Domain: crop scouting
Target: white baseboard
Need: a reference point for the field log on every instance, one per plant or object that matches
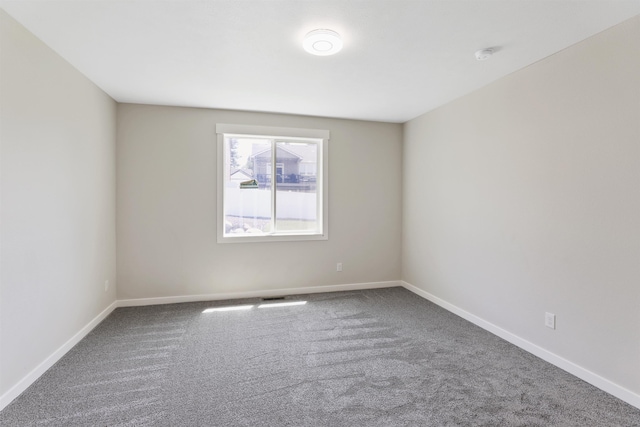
(32, 376)
(137, 302)
(562, 363)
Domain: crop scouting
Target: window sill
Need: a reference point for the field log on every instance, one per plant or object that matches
(265, 238)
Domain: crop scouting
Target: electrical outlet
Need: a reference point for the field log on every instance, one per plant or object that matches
(106, 285)
(550, 320)
(339, 266)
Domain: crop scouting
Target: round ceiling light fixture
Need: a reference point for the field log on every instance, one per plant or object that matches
(322, 42)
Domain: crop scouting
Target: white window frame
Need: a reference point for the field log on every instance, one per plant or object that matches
(223, 130)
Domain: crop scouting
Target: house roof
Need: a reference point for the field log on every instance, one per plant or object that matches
(245, 172)
(305, 152)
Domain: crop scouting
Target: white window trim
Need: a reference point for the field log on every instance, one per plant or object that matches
(271, 132)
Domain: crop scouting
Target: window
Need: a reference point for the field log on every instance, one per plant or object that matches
(272, 184)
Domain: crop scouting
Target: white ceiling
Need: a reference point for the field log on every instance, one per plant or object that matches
(401, 58)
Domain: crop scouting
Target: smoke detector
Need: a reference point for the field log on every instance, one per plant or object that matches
(484, 54)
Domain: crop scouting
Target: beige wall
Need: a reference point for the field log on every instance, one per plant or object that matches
(166, 209)
(524, 197)
(57, 233)
(520, 198)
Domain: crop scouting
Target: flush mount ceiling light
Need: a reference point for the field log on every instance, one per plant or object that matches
(483, 54)
(322, 42)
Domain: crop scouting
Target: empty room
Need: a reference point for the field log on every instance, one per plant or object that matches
(320, 213)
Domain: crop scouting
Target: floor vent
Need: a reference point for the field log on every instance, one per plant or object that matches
(273, 299)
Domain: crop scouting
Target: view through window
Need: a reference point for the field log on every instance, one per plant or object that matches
(272, 186)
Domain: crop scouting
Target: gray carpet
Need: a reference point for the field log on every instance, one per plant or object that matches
(381, 357)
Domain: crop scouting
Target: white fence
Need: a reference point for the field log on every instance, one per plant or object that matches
(256, 203)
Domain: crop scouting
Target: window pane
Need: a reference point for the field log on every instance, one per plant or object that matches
(270, 185)
(296, 186)
(247, 210)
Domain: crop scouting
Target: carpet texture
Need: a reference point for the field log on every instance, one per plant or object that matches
(383, 357)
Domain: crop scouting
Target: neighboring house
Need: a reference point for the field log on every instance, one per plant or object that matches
(241, 175)
(296, 166)
(237, 176)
